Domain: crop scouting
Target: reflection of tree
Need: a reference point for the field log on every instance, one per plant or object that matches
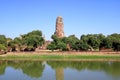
(35, 68)
(31, 68)
(112, 68)
(2, 67)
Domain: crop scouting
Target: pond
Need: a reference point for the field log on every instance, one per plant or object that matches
(59, 70)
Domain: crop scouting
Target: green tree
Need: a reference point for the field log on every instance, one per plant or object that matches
(3, 40)
(83, 46)
(52, 46)
(106, 43)
(92, 40)
(84, 38)
(55, 38)
(35, 32)
(72, 41)
(2, 47)
(3, 44)
(58, 43)
(32, 40)
(18, 41)
(62, 46)
(64, 40)
(115, 40)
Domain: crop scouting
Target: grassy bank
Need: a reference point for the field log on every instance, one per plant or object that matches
(60, 56)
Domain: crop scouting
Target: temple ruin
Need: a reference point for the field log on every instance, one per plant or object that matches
(59, 32)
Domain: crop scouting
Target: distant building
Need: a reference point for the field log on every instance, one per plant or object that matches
(43, 47)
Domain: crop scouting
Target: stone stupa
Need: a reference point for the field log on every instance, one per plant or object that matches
(59, 32)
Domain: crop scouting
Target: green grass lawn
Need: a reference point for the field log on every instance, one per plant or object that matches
(58, 57)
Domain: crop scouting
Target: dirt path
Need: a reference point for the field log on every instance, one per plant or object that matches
(62, 53)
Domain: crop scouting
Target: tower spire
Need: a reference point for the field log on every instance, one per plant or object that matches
(59, 32)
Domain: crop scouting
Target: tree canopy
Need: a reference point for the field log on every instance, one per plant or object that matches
(89, 42)
(25, 42)
(34, 39)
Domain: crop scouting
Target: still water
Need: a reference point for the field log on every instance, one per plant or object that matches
(59, 70)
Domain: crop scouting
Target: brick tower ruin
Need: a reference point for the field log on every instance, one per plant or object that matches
(59, 27)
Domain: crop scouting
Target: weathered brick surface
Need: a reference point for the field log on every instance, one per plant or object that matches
(59, 32)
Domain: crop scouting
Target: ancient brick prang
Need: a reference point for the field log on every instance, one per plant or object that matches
(59, 32)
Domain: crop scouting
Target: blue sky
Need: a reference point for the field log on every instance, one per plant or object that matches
(80, 16)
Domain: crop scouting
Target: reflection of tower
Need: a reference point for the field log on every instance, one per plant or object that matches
(59, 73)
(59, 27)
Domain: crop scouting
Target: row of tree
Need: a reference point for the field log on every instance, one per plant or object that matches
(90, 42)
(26, 42)
(34, 39)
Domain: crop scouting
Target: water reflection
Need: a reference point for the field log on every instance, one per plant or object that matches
(59, 70)
(59, 73)
(112, 68)
(30, 68)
